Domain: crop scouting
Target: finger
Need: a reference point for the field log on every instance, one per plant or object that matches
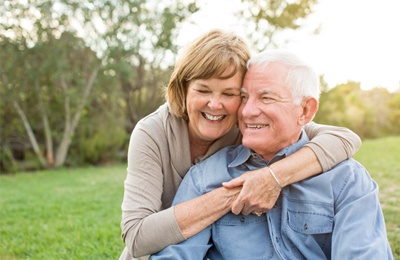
(247, 210)
(233, 183)
(237, 206)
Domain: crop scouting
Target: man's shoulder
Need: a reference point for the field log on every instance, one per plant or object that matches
(350, 166)
(347, 173)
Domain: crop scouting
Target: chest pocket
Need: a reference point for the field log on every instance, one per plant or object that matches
(243, 237)
(310, 217)
(309, 224)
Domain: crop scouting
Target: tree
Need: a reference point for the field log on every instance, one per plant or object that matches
(394, 114)
(370, 113)
(141, 50)
(377, 102)
(343, 106)
(266, 20)
(43, 85)
(56, 51)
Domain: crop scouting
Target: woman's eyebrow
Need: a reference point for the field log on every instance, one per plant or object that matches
(202, 84)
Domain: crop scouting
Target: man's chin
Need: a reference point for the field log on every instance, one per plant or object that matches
(251, 142)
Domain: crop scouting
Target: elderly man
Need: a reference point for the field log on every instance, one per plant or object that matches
(335, 215)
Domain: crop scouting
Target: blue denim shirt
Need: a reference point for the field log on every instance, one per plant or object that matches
(335, 215)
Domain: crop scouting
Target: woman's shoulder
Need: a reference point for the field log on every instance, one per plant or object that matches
(163, 114)
(161, 122)
(155, 116)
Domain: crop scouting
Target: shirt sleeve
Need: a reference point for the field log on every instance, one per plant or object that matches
(195, 247)
(359, 226)
(143, 219)
(331, 144)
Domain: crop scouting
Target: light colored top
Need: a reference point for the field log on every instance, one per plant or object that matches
(323, 217)
(159, 158)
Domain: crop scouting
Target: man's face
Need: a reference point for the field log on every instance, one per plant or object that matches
(268, 119)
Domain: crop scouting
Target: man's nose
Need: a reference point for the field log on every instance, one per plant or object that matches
(250, 108)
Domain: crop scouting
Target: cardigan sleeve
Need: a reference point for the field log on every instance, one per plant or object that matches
(331, 144)
(146, 226)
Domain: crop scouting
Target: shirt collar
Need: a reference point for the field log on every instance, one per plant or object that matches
(244, 153)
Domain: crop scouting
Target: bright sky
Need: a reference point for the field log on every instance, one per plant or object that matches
(359, 40)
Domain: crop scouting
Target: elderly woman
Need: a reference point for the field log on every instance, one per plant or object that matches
(200, 118)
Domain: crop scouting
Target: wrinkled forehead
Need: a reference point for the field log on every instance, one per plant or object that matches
(269, 77)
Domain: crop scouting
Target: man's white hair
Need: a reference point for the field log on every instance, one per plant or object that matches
(301, 80)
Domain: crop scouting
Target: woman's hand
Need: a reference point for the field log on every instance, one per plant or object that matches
(259, 193)
(195, 215)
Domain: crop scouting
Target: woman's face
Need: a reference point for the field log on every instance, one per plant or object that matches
(212, 106)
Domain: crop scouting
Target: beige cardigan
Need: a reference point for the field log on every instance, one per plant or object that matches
(159, 158)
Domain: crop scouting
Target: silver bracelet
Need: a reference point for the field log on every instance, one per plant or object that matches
(276, 179)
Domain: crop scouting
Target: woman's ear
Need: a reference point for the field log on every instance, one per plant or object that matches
(309, 109)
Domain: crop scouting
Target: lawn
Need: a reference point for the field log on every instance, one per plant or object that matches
(381, 157)
(75, 213)
(62, 214)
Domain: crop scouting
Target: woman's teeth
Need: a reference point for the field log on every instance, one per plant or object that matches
(212, 118)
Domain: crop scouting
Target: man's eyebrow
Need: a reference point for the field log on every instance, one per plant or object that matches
(243, 90)
(265, 91)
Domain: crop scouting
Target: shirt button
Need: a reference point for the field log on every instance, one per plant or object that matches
(305, 226)
(242, 219)
(277, 239)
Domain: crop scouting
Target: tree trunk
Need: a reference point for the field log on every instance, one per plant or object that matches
(70, 125)
(31, 135)
(47, 129)
(49, 141)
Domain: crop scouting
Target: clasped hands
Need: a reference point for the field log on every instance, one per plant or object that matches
(258, 194)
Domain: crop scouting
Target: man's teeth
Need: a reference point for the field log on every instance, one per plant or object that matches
(213, 118)
(256, 126)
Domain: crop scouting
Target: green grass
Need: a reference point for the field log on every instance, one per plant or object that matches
(75, 213)
(62, 214)
(381, 157)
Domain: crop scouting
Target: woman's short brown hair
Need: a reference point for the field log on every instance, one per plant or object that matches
(207, 57)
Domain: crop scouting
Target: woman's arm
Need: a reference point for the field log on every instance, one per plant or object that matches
(147, 224)
(195, 215)
(142, 216)
(329, 145)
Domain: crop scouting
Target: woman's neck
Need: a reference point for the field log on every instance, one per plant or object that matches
(198, 147)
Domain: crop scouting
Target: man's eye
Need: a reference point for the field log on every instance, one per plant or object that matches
(268, 99)
(243, 98)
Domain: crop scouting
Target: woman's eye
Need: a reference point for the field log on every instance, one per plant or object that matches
(203, 91)
(229, 94)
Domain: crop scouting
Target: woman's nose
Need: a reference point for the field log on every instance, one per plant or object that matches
(215, 102)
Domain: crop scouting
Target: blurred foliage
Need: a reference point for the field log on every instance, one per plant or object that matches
(266, 20)
(371, 114)
(70, 70)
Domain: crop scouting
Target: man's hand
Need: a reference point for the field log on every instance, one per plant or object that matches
(259, 193)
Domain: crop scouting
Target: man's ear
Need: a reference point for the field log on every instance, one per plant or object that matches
(310, 108)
